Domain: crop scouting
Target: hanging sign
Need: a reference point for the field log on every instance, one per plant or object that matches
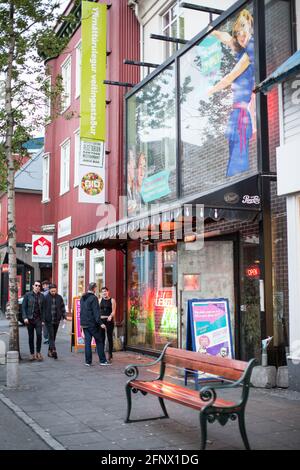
(92, 154)
(91, 185)
(42, 248)
(208, 327)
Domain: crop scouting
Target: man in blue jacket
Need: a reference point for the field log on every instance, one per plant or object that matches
(91, 323)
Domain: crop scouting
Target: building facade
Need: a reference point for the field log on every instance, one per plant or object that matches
(63, 215)
(28, 184)
(201, 149)
(288, 184)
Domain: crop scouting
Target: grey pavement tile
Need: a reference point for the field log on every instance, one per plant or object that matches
(141, 444)
(67, 428)
(81, 439)
(95, 446)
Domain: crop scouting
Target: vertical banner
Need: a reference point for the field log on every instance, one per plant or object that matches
(209, 330)
(93, 71)
(92, 104)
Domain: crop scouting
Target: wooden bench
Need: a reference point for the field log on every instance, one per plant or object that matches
(234, 374)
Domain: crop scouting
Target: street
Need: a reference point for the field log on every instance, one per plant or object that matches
(84, 408)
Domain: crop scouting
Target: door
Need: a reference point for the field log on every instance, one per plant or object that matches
(205, 274)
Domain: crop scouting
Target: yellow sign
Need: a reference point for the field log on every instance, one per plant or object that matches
(93, 71)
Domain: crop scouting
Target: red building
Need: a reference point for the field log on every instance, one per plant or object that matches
(28, 184)
(62, 213)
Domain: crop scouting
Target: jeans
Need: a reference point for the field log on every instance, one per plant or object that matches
(45, 332)
(52, 331)
(90, 333)
(37, 326)
(109, 332)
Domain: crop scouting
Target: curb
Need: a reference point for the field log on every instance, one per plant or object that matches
(45, 436)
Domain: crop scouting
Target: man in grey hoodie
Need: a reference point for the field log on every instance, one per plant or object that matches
(91, 323)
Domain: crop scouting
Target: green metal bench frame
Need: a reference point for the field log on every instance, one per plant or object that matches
(208, 394)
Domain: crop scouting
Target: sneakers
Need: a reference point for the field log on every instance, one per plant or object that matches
(106, 363)
(88, 364)
(32, 357)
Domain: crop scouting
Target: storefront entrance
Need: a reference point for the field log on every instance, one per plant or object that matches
(206, 273)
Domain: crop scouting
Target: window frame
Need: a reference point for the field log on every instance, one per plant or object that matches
(46, 178)
(66, 73)
(65, 175)
(78, 53)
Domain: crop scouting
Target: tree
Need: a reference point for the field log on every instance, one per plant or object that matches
(27, 37)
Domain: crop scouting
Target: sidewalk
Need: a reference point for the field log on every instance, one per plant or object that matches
(84, 408)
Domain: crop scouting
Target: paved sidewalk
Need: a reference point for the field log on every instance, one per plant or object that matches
(84, 408)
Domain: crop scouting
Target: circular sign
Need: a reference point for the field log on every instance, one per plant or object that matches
(92, 184)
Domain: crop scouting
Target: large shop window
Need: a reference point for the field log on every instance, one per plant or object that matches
(97, 268)
(78, 272)
(152, 308)
(63, 272)
(151, 168)
(218, 132)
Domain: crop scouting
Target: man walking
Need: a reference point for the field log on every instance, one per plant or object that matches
(107, 315)
(91, 325)
(55, 311)
(33, 316)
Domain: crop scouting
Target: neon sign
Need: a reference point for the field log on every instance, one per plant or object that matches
(253, 272)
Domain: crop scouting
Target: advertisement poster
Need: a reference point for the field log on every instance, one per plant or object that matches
(78, 335)
(165, 313)
(42, 248)
(91, 185)
(209, 327)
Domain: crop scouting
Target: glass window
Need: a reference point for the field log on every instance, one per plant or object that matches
(76, 157)
(151, 171)
(65, 167)
(66, 83)
(63, 272)
(97, 268)
(173, 26)
(152, 309)
(78, 272)
(218, 133)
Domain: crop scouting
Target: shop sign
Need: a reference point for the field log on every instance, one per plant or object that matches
(92, 153)
(253, 272)
(208, 327)
(42, 248)
(91, 185)
(64, 227)
(250, 200)
(155, 186)
(78, 335)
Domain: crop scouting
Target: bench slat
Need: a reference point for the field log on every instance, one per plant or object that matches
(223, 367)
(178, 394)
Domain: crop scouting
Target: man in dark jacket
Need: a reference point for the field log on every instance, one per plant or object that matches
(55, 311)
(91, 323)
(33, 316)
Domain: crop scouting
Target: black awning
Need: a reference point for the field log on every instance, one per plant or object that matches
(237, 202)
